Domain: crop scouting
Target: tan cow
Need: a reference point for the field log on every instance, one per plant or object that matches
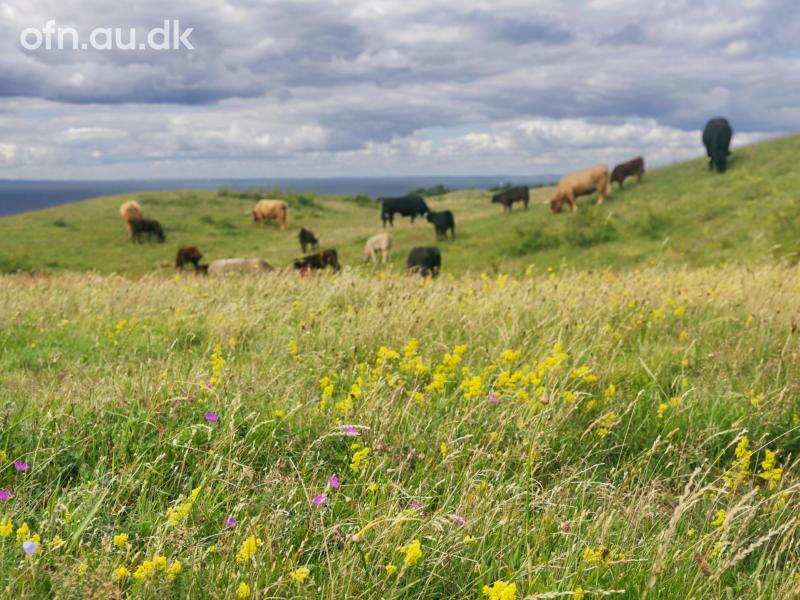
(581, 183)
(130, 211)
(267, 210)
(382, 243)
(241, 266)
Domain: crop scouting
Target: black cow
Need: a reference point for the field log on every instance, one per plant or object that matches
(442, 221)
(318, 261)
(148, 226)
(407, 206)
(507, 198)
(307, 238)
(627, 169)
(717, 140)
(426, 260)
(188, 255)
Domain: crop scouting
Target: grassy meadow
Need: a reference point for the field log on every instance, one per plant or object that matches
(597, 405)
(680, 215)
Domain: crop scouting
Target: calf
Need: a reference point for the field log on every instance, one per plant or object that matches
(425, 260)
(149, 226)
(318, 261)
(628, 169)
(507, 198)
(188, 255)
(240, 266)
(382, 242)
(442, 221)
(308, 239)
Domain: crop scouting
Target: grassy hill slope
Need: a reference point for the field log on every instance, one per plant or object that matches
(679, 215)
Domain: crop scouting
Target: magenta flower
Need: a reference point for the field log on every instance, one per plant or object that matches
(494, 399)
(211, 417)
(230, 522)
(460, 521)
(319, 500)
(5, 496)
(415, 505)
(30, 547)
(335, 483)
(21, 466)
(349, 430)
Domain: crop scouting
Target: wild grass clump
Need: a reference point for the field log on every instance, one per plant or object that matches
(573, 435)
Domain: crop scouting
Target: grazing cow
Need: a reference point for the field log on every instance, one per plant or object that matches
(307, 238)
(408, 206)
(425, 260)
(442, 221)
(507, 198)
(717, 140)
(149, 226)
(581, 183)
(628, 169)
(382, 243)
(241, 266)
(188, 255)
(269, 210)
(130, 211)
(318, 261)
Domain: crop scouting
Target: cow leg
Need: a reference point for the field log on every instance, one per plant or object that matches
(453, 231)
(412, 218)
(571, 199)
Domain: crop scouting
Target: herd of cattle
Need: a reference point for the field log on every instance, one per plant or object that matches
(425, 260)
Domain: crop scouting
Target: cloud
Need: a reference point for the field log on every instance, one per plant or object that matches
(314, 86)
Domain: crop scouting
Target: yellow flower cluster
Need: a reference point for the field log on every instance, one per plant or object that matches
(243, 591)
(601, 555)
(663, 407)
(300, 574)
(217, 364)
(606, 423)
(412, 552)
(770, 472)
(249, 547)
(326, 383)
(180, 512)
(500, 590)
(359, 458)
(740, 469)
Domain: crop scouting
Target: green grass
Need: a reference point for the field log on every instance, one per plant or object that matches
(680, 215)
(104, 395)
(602, 428)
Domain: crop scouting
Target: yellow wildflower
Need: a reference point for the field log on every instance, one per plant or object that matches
(578, 594)
(243, 591)
(249, 547)
(501, 590)
(360, 457)
(120, 573)
(6, 527)
(390, 569)
(82, 568)
(121, 541)
(23, 532)
(160, 563)
(299, 575)
(144, 570)
(174, 570)
(412, 552)
(770, 473)
(719, 518)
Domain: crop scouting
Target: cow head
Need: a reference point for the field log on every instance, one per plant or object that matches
(555, 204)
(721, 161)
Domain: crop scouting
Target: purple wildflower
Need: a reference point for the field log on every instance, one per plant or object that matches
(460, 521)
(5, 495)
(350, 430)
(319, 500)
(30, 547)
(494, 399)
(230, 522)
(335, 483)
(21, 466)
(209, 385)
(211, 417)
(415, 505)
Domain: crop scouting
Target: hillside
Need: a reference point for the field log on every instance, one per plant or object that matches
(679, 215)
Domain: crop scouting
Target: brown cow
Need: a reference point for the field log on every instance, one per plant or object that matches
(627, 169)
(581, 183)
(130, 211)
(268, 210)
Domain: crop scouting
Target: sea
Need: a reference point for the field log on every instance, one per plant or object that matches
(17, 196)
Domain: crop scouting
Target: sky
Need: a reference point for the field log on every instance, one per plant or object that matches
(312, 88)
